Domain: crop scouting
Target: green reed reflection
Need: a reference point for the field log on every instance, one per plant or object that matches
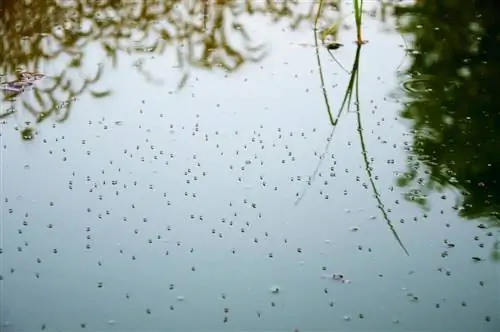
(353, 84)
(353, 88)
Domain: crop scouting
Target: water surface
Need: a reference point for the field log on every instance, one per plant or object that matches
(180, 175)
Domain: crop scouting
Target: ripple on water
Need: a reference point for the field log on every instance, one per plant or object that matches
(416, 85)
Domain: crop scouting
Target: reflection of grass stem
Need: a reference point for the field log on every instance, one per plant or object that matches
(327, 103)
(351, 87)
(338, 62)
(320, 68)
(321, 158)
(374, 187)
(353, 84)
(332, 120)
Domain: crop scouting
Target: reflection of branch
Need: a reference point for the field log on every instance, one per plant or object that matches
(280, 9)
(139, 64)
(142, 27)
(206, 34)
(353, 83)
(207, 45)
(44, 108)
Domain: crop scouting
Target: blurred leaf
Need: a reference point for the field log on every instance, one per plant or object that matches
(41, 116)
(100, 94)
(495, 252)
(7, 113)
(402, 181)
(75, 63)
(183, 81)
(39, 97)
(332, 30)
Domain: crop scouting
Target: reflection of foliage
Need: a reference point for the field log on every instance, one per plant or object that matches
(205, 34)
(456, 115)
(292, 9)
(32, 36)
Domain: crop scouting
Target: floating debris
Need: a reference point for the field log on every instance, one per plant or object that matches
(14, 86)
(274, 289)
(337, 277)
(24, 80)
(333, 45)
(27, 76)
(27, 133)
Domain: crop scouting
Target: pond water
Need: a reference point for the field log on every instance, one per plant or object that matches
(175, 172)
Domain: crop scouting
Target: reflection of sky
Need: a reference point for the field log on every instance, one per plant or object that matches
(279, 96)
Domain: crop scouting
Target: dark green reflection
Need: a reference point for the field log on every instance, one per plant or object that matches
(454, 103)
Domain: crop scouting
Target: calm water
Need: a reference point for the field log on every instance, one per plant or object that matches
(178, 173)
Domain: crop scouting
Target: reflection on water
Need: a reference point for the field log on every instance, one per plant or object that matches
(53, 36)
(163, 184)
(454, 107)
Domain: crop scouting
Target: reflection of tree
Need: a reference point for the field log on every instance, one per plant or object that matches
(204, 33)
(453, 103)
